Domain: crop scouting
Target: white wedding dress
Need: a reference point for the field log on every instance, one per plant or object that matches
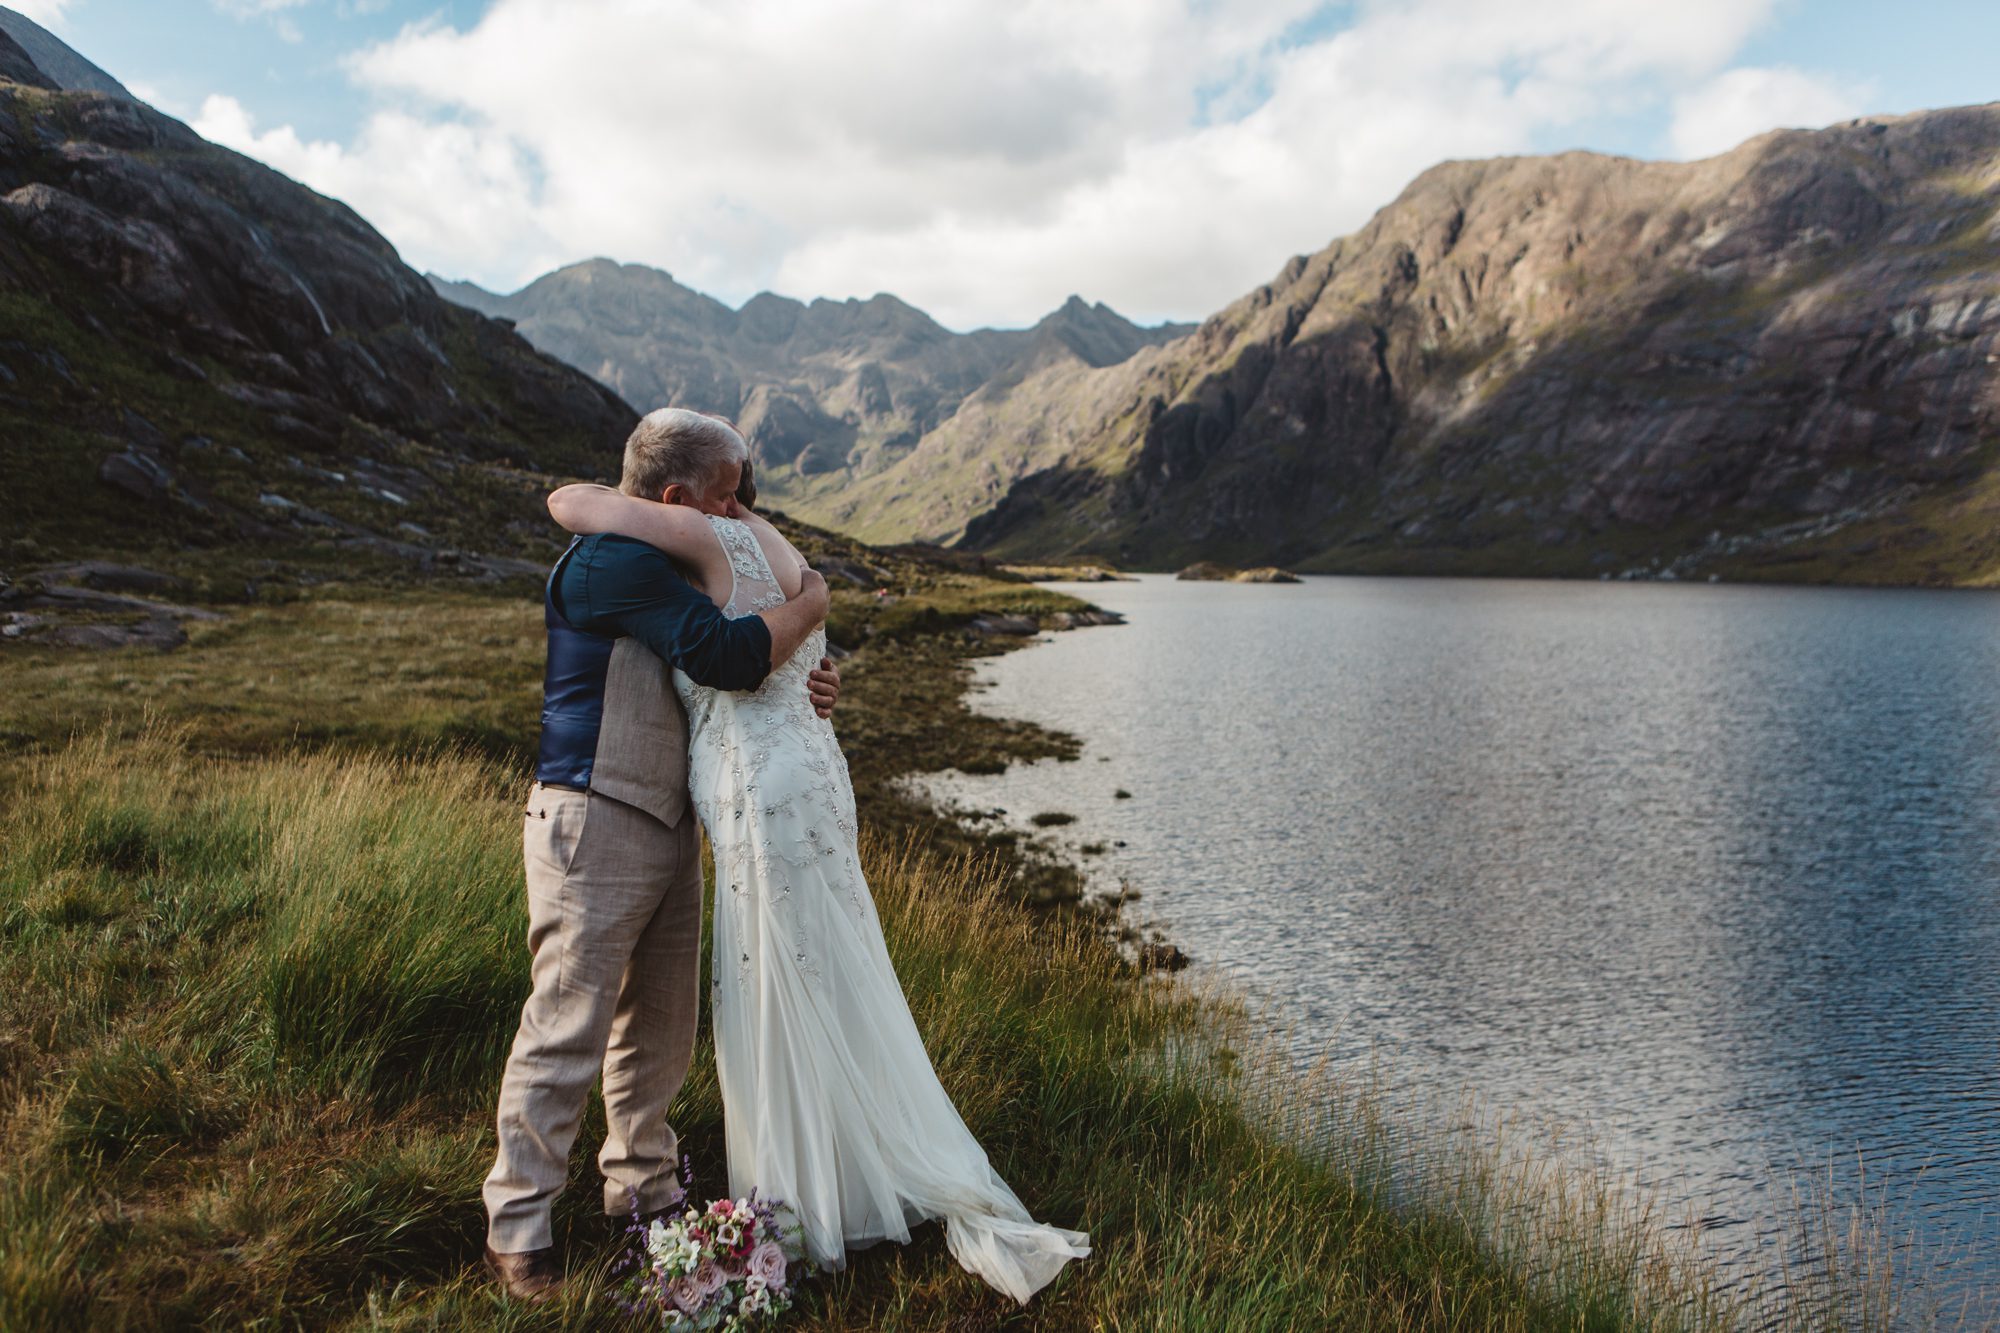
(830, 1102)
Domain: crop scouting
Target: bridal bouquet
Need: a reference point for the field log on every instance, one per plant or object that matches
(725, 1267)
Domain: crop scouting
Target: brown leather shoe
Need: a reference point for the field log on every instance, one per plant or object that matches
(532, 1276)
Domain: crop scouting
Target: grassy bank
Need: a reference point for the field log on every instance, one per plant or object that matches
(261, 949)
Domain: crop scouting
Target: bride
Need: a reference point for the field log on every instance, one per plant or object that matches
(830, 1102)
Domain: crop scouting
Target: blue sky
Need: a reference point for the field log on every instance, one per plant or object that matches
(981, 161)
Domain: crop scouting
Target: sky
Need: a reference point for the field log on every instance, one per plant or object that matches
(981, 159)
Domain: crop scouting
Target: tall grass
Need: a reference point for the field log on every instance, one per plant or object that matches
(254, 1013)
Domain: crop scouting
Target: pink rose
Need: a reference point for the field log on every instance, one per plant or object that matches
(767, 1261)
(687, 1294)
(731, 1266)
(709, 1277)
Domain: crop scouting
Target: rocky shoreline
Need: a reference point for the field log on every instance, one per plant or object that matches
(1145, 948)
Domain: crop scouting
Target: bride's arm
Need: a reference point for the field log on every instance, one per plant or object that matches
(682, 532)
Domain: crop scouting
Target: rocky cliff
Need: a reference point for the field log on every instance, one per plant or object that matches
(1779, 362)
(199, 354)
(827, 392)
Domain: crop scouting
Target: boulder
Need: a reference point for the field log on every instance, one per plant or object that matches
(849, 571)
(1079, 619)
(1015, 625)
(159, 632)
(137, 473)
(104, 576)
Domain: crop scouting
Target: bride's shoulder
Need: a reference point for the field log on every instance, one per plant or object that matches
(734, 532)
(739, 541)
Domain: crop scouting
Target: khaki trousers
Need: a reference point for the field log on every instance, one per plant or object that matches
(614, 928)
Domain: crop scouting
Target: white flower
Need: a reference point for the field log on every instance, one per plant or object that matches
(728, 1234)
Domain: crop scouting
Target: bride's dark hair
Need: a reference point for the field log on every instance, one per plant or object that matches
(746, 489)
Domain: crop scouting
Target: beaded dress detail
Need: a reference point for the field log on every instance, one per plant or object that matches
(830, 1101)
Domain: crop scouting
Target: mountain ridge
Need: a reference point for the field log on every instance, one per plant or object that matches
(825, 390)
(1775, 362)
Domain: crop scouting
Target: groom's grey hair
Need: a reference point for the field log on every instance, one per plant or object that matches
(673, 445)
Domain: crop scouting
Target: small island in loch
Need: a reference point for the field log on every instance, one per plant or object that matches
(1207, 571)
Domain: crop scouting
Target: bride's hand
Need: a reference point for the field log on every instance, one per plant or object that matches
(586, 507)
(682, 531)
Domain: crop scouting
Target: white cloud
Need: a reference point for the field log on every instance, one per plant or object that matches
(1740, 103)
(48, 13)
(250, 9)
(434, 189)
(274, 10)
(981, 161)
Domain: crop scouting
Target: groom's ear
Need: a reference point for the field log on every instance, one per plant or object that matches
(675, 494)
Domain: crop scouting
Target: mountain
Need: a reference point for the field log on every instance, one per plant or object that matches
(55, 61)
(1780, 362)
(205, 361)
(827, 392)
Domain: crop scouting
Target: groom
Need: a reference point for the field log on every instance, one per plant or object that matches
(613, 853)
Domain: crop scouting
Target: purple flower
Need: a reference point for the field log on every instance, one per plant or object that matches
(709, 1277)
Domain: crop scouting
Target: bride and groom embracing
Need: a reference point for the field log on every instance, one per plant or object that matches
(683, 636)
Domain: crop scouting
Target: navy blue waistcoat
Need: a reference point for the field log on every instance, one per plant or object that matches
(572, 691)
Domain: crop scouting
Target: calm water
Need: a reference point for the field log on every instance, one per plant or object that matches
(1712, 871)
